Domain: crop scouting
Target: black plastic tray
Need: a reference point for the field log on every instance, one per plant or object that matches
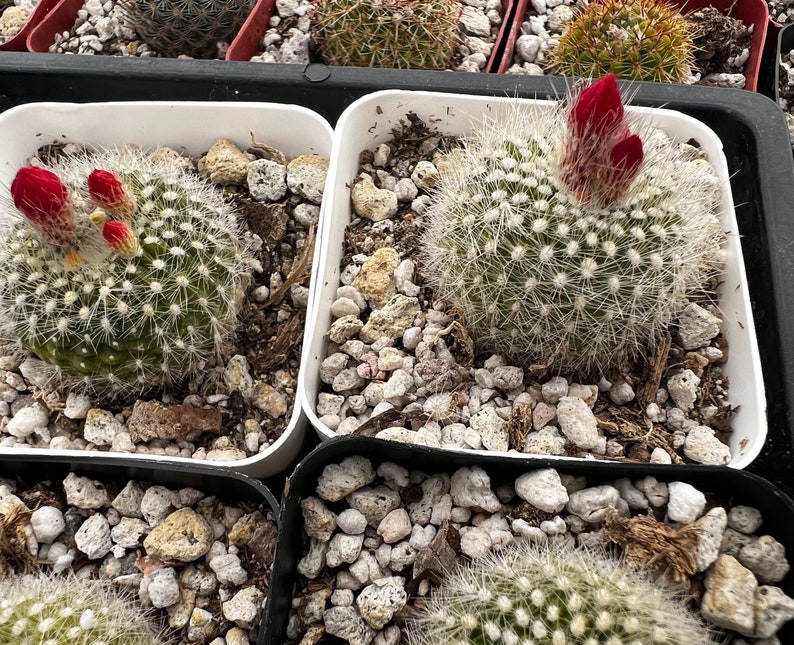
(751, 127)
(736, 486)
(225, 484)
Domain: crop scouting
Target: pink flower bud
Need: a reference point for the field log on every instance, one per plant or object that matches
(626, 155)
(120, 238)
(109, 192)
(598, 109)
(44, 200)
(601, 157)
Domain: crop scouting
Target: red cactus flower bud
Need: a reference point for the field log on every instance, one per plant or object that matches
(626, 157)
(111, 193)
(120, 238)
(44, 200)
(601, 157)
(598, 109)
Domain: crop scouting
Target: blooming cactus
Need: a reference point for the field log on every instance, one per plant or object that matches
(565, 243)
(122, 272)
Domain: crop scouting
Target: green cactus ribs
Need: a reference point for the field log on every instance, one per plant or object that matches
(554, 594)
(403, 34)
(643, 40)
(130, 303)
(186, 27)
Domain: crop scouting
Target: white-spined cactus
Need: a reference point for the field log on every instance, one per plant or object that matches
(566, 238)
(554, 594)
(119, 271)
(46, 609)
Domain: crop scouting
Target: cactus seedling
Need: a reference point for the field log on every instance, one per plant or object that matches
(553, 594)
(63, 610)
(642, 40)
(186, 27)
(120, 304)
(404, 34)
(568, 240)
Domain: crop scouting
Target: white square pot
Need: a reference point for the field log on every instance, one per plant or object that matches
(192, 127)
(369, 121)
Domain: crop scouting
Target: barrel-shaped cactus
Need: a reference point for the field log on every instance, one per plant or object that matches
(44, 609)
(566, 239)
(641, 40)
(404, 34)
(119, 271)
(554, 594)
(186, 27)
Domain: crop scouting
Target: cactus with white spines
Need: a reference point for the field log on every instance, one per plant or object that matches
(566, 238)
(551, 593)
(118, 271)
(64, 610)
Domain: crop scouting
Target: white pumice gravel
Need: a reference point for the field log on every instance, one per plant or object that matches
(204, 567)
(358, 593)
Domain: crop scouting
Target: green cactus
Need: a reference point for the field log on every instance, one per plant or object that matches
(120, 304)
(560, 242)
(41, 609)
(553, 594)
(642, 40)
(186, 27)
(403, 34)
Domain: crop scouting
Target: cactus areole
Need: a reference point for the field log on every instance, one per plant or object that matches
(119, 271)
(570, 238)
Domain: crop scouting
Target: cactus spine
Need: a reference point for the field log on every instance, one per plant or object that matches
(63, 610)
(404, 34)
(553, 594)
(121, 304)
(561, 241)
(186, 27)
(642, 40)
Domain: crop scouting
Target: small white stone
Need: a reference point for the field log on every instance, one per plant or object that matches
(703, 446)
(77, 406)
(228, 569)
(28, 420)
(267, 180)
(542, 489)
(47, 523)
(93, 537)
(163, 587)
(686, 503)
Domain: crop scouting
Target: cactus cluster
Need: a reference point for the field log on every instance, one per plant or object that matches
(554, 594)
(41, 609)
(403, 34)
(565, 239)
(119, 270)
(641, 40)
(186, 27)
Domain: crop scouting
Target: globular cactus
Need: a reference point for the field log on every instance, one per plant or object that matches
(403, 34)
(186, 27)
(41, 609)
(564, 243)
(119, 271)
(553, 594)
(641, 40)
